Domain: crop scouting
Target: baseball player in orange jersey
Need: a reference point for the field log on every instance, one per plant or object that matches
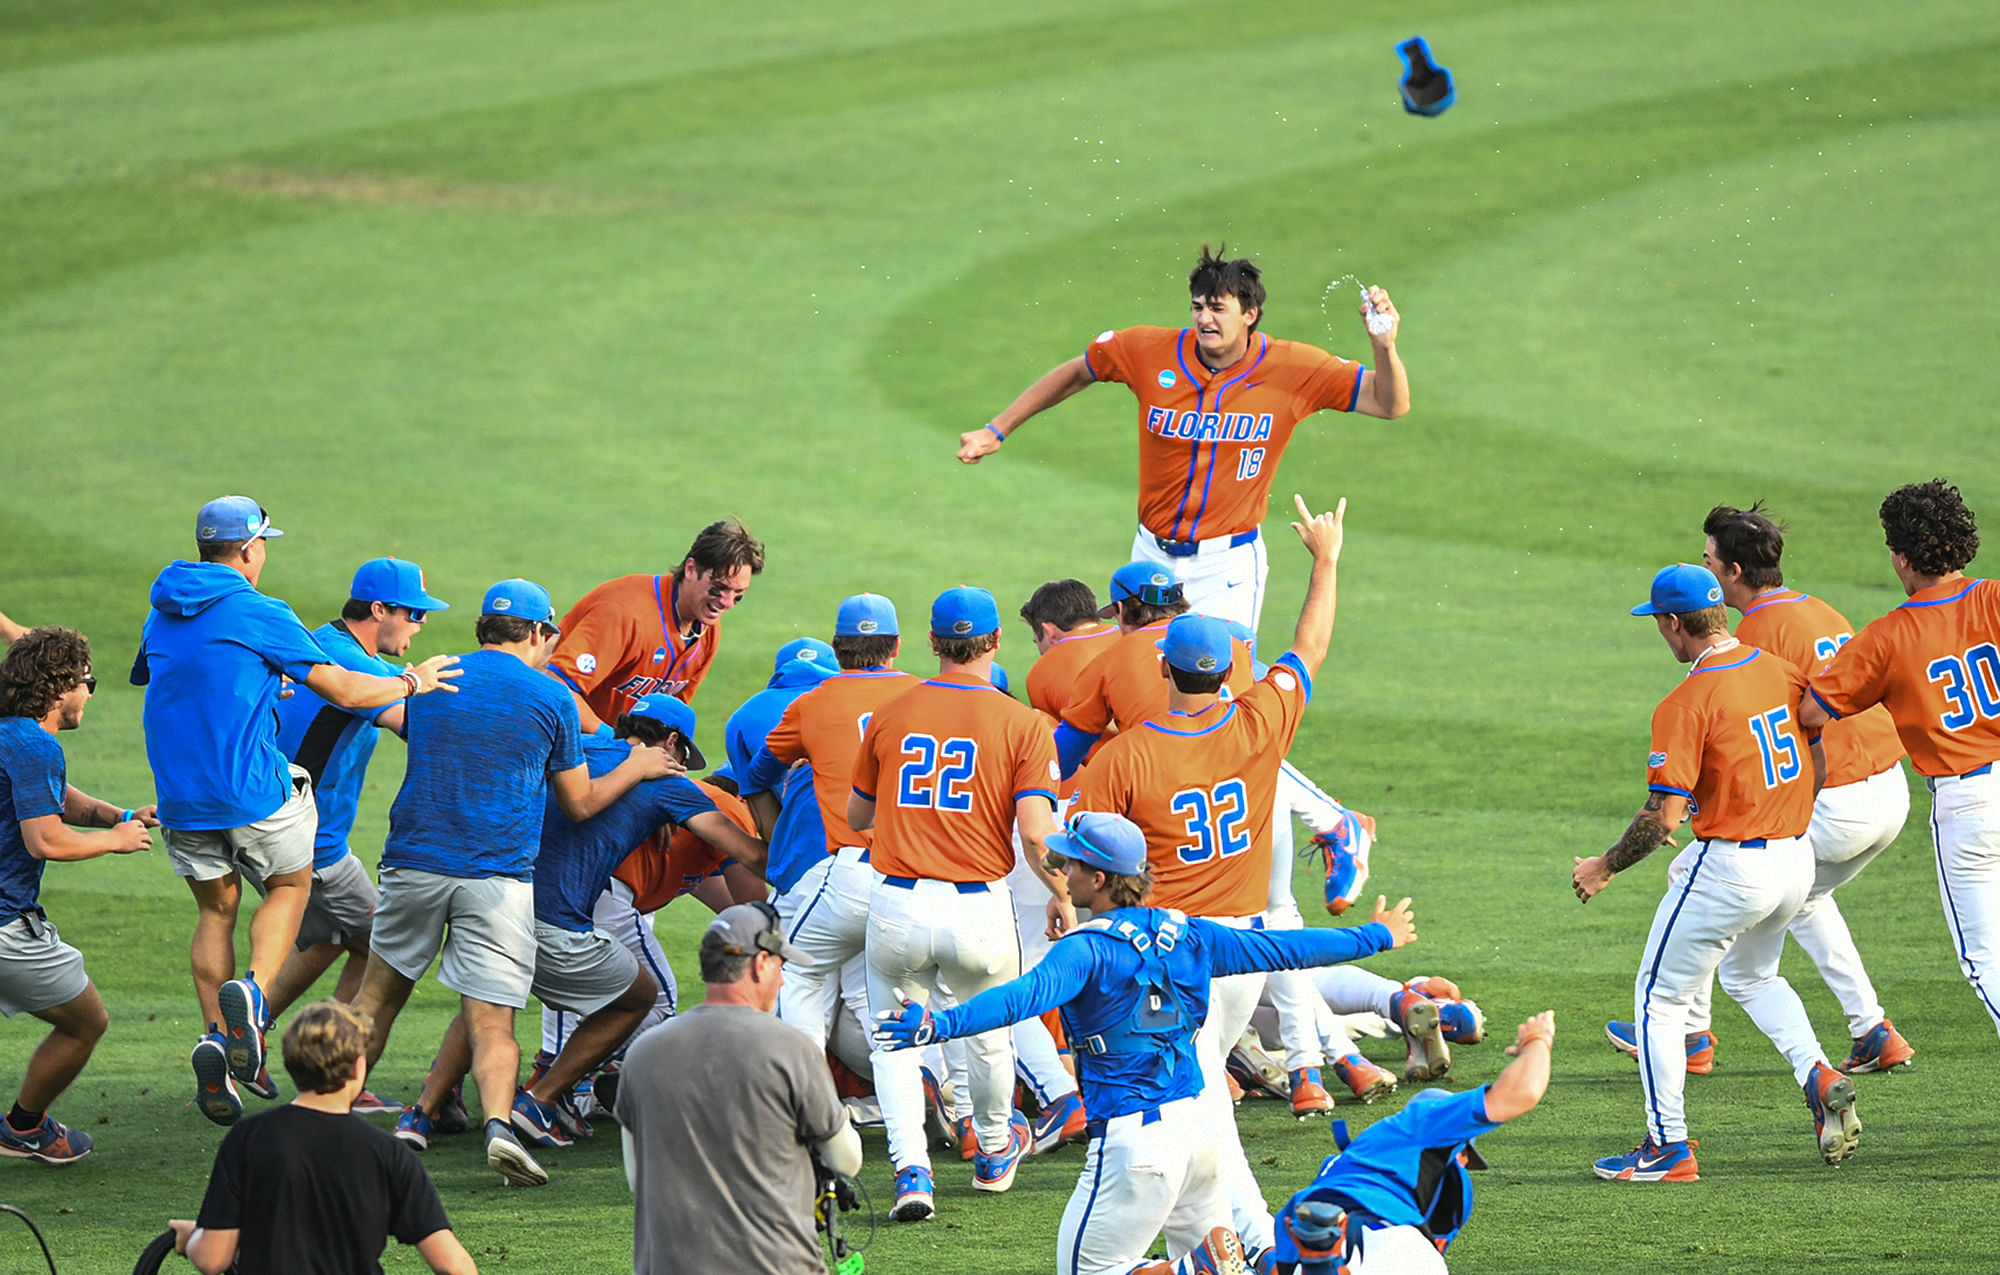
(642, 635)
(1934, 662)
(1200, 779)
(1218, 401)
(946, 773)
(1728, 749)
(826, 910)
(1069, 635)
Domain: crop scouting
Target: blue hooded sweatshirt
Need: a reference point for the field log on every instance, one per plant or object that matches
(210, 659)
(798, 839)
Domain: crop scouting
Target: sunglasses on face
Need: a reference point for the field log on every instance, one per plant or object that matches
(89, 683)
(417, 615)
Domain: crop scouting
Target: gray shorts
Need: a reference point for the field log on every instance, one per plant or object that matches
(281, 842)
(485, 925)
(342, 906)
(38, 970)
(581, 972)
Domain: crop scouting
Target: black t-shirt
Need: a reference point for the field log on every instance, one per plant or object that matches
(317, 1194)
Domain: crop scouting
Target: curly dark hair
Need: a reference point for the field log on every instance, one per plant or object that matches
(1930, 526)
(45, 665)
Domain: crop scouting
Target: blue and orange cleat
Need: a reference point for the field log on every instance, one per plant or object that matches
(537, 1121)
(1062, 1122)
(1309, 1095)
(1344, 851)
(48, 1142)
(1624, 1038)
(1880, 1050)
(1364, 1079)
(996, 1172)
(1220, 1253)
(913, 1195)
(1830, 1098)
(1651, 1161)
(1426, 1056)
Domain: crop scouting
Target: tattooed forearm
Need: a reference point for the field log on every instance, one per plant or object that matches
(1645, 835)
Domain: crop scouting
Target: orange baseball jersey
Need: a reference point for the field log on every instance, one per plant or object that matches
(1202, 786)
(621, 642)
(1209, 442)
(1053, 678)
(1934, 662)
(825, 726)
(1124, 683)
(659, 876)
(945, 762)
(1728, 739)
(1806, 631)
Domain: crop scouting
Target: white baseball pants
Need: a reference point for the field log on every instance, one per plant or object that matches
(1231, 1001)
(1147, 1172)
(825, 915)
(1727, 907)
(1036, 1057)
(1965, 828)
(921, 934)
(1221, 581)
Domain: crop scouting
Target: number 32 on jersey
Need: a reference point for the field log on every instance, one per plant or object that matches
(1215, 818)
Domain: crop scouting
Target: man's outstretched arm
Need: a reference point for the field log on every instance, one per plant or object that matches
(1055, 385)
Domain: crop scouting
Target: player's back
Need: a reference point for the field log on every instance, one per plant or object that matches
(1806, 631)
(1053, 679)
(576, 859)
(945, 762)
(660, 873)
(1202, 788)
(1934, 661)
(1123, 1074)
(1728, 738)
(1125, 684)
(825, 726)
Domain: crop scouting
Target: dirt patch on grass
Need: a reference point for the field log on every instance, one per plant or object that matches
(390, 190)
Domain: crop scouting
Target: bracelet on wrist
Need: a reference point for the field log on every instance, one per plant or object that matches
(996, 431)
(125, 816)
(411, 682)
(1544, 1037)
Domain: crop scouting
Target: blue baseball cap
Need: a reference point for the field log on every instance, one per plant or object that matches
(1109, 843)
(675, 715)
(964, 612)
(228, 519)
(1000, 679)
(865, 615)
(1153, 583)
(522, 599)
(394, 582)
(1198, 644)
(1681, 588)
(810, 649)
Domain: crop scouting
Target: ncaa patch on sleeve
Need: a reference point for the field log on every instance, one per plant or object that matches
(586, 663)
(1284, 681)
(1104, 336)
(1655, 760)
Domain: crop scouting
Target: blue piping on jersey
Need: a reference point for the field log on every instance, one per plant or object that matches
(1821, 701)
(1723, 668)
(960, 686)
(1775, 602)
(1215, 448)
(1938, 602)
(1194, 456)
(1354, 399)
(1215, 725)
(1291, 660)
(1678, 792)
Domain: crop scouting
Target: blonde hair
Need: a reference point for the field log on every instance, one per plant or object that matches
(321, 1044)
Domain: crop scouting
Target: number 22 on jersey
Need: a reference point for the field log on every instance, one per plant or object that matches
(935, 774)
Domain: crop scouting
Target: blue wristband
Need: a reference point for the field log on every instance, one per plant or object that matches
(127, 816)
(604, 731)
(996, 431)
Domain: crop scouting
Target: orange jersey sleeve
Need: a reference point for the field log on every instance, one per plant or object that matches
(1934, 663)
(1202, 789)
(1728, 739)
(1125, 683)
(1209, 441)
(1806, 632)
(619, 643)
(945, 763)
(824, 726)
(660, 874)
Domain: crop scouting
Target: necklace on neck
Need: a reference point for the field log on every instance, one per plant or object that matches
(1716, 648)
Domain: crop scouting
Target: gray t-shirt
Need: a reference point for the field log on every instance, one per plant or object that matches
(724, 1103)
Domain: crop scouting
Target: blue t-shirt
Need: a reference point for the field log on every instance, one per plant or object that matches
(1094, 975)
(798, 838)
(477, 777)
(577, 858)
(333, 744)
(1378, 1171)
(210, 659)
(32, 784)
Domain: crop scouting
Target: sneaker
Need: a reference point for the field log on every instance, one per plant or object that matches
(214, 1088)
(1426, 1056)
(1062, 1122)
(1463, 1022)
(1436, 988)
(1257, 1073)
(938, 1133)
(961, 1129)
(511, 1160)
(913, 1195)
(370, 1103)
(416, 1127)
(451, 1117)
(1364, 1079)
(1624, 1038)
(263, 1086)
(244, 1016)
(996, 1172)
(1309, 1096)
(1220, 1253)
(1879, 1050)
(1830, 1097)
(569, 1113)
(49, 1142)
(1651, 1161)
(1345, 853)
(537, 1121)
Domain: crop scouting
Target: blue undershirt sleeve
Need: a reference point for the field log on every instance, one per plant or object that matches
(1056, 980)
(1233, 951)
(1072, 746)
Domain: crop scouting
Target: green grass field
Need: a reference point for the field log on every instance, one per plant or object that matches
(539, 288)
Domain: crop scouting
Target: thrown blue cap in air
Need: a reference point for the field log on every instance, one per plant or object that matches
(1681, 588)
(963, 612)
(227, 519)
(1197, 644)
(522, 599)
(1107, 842)
(865, 615)
(395, 582)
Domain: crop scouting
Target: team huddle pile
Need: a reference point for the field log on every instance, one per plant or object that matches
(899, 863)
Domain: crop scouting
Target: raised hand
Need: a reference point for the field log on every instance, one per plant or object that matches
(1401, 921)
(1321, 533)
(911, 1027)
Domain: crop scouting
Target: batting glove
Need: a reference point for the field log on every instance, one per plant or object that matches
(911, 1027)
